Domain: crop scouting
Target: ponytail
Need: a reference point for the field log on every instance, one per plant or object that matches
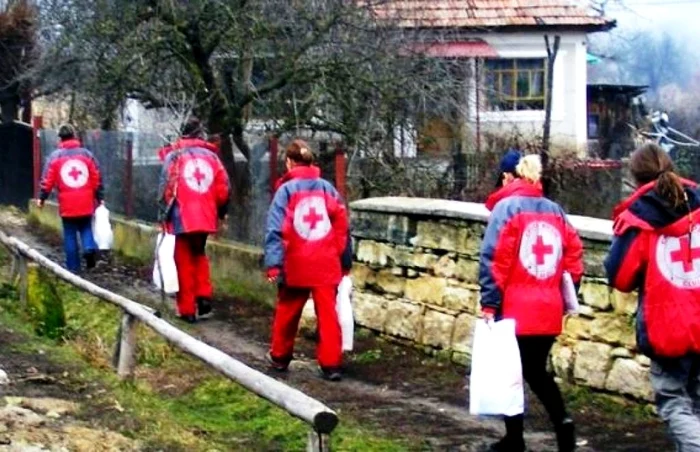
(670, 188)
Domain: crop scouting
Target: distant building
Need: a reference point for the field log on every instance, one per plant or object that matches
(503, 47)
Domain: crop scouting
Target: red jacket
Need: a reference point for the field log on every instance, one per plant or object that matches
(75, 173)
(527, 246)
(194, 188)
(656, 249)
(307, 230)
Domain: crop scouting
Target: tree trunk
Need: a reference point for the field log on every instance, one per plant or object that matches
(544, 154)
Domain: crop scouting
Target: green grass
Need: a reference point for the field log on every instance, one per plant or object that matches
(581, 398)
(201, 411)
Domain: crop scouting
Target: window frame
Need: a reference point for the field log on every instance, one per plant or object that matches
(508, 103)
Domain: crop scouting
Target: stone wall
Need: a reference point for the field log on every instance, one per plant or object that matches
(416, 279)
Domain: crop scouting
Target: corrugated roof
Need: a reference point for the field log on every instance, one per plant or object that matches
(489, 14)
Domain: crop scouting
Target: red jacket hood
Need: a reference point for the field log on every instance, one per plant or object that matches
(644, 210)
(518, 187)
(185, 143)
(298, 172)
(70, 144)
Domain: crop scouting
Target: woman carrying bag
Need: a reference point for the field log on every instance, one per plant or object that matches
(655, 250)
(528, 246)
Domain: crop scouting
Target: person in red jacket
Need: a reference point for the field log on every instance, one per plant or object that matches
(306, 239)
(74, 172)
(194, 195)
(527, 246)
(656, 250)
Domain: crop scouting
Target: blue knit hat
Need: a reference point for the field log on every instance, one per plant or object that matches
(510, 161)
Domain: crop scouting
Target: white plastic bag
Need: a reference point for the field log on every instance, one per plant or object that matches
(345, 316)
(496, 381)
(164, 268)
(568, 293)
(102, 229)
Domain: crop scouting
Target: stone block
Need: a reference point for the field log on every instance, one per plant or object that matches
(370, 310)
(440, 236)
(578, 328)
(445, 267)
(624, 303)
(404, 256)
(426, 289)
(596, 293)
(621, 352)
(593, 259)
(461, 299)
(374, 253)
(592, 363)
(563, 361)
(643, 360)
(463, 336)
(467, 270)
(387, 282)
(613, 329)
(383, 227)
(437, 329)
(403, 320)
(362, 275)
(629, 377)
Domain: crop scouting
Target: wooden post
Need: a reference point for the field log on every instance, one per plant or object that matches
(127, 347)
(37, 125)
(23, 281)
(318, 442)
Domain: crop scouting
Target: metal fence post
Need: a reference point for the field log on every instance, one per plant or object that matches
(129, 177)
(274, 152)
(340, 183)
(318, 442)
(37, 125)
(127, 347)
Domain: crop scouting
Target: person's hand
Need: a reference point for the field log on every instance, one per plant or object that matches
(488, 315)
(40, 203)
(273, 274)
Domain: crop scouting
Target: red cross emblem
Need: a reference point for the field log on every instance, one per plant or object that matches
(311, 221)
(198, 175)
(540, 250)
(686, 254)
(312, 218)
(74, 173)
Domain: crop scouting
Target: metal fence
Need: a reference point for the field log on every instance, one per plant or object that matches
(131, 171)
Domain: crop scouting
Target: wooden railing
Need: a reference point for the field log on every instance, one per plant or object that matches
(319, 417)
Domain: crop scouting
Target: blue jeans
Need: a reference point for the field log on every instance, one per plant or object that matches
(72, 227)
(676, 384)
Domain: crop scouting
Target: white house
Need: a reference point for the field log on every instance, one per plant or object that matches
(502, 42)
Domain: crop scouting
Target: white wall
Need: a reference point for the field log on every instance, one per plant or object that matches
(569, 110)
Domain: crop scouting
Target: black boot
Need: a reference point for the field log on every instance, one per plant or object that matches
(203, 307)
(90, 259)
(566, 436)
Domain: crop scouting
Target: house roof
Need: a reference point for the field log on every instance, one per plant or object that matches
(471, 14)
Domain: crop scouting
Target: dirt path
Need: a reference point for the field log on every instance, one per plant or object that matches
(393, 388)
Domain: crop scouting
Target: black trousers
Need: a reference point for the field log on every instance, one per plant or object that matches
(534, 351)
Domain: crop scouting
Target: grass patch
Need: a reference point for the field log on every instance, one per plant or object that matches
(175, 403)
(583, 399)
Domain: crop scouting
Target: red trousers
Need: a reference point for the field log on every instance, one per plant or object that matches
(192, 271)
(290, 303)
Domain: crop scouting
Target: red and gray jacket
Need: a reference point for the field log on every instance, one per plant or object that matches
(527, 246)
(656, 250)
(74, 172)
(307, 230)
(194, 188)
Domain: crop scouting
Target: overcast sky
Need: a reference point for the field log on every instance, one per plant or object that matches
(677, 16)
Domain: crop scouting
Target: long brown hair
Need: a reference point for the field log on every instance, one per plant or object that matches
(300, 153)
(651, 163)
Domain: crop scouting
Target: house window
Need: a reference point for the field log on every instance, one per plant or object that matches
(515, 84)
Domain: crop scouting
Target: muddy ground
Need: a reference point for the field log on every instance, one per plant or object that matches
(393, 388)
